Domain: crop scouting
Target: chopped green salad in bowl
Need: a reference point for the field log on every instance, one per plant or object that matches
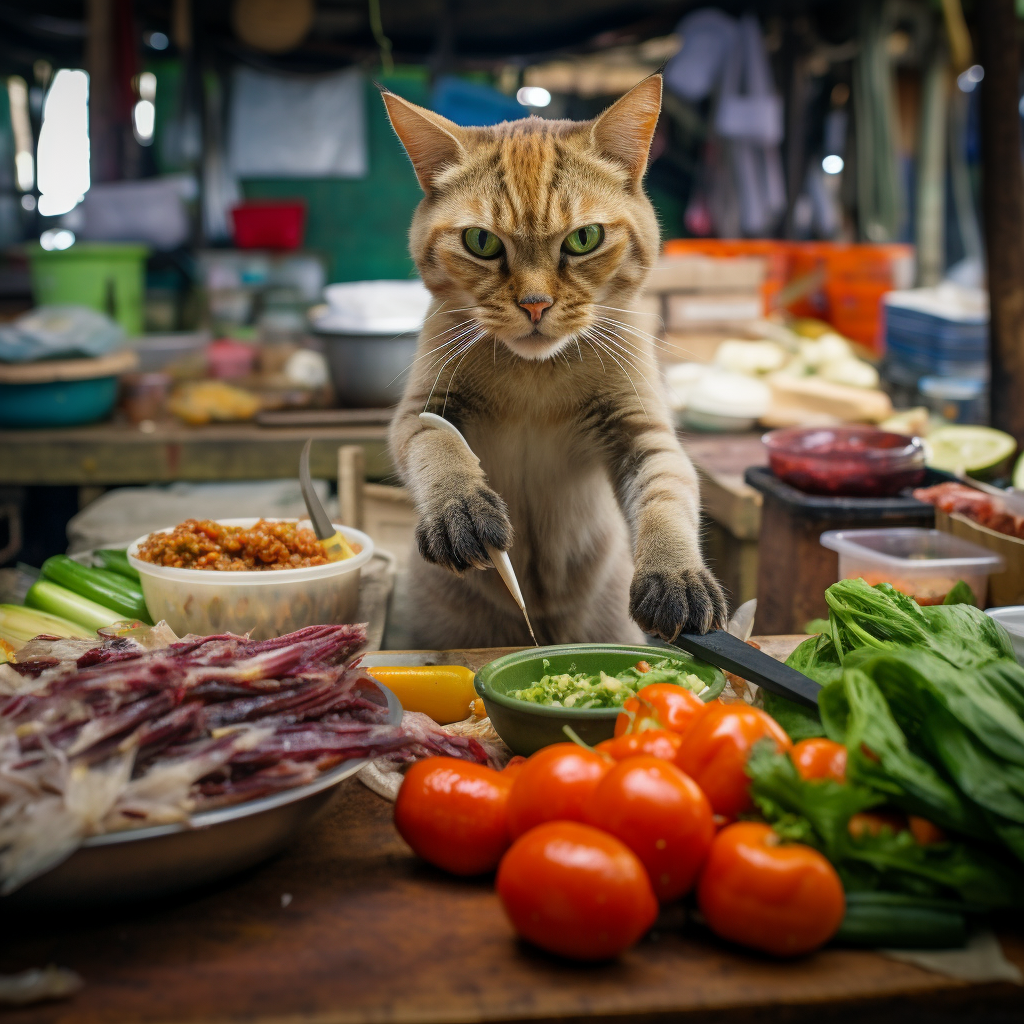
(582, 690)
(532, 694)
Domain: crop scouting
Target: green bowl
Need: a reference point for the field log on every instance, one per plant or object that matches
(526, 727)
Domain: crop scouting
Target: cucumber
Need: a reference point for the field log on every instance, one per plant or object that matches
(105, 588)
(57, 600)
(117, 561)
(897, 921)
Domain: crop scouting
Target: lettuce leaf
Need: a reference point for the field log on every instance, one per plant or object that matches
(818, 813)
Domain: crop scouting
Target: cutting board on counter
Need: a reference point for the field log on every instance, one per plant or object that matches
(349, 927)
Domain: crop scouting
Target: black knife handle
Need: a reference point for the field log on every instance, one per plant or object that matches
(730, 653)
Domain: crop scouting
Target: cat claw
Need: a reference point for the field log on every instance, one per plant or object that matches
(456, 536)
(665, 604)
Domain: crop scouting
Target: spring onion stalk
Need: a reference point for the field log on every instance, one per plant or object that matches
(19, 624)
(57, 600)
(116, 560)
(105, 588)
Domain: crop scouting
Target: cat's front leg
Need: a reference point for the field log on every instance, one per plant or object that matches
(459, 514)
(672, 590)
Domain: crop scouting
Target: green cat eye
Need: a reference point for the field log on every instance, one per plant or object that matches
(583, 240)
(483, 243)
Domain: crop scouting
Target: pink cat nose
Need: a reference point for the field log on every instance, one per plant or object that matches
(535, 305)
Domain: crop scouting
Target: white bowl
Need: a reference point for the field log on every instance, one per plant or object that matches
(264, 603)
(1011, 618)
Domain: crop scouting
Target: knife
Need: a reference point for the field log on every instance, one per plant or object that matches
(335, 546)
(730, 653)
(499, 559)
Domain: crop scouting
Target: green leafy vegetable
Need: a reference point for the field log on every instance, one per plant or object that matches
(960, 594)
(818, 813)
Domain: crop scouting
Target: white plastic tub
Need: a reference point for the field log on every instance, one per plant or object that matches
(926, 564)
(263, 603)
(1011, 618)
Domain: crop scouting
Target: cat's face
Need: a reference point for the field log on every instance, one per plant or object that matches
(535, 231)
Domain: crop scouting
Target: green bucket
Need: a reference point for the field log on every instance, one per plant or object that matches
(106, 276)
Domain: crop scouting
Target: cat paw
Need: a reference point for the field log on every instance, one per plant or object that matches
(667, 604)
(455, 535)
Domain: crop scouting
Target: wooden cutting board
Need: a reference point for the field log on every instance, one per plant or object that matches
(348, 927)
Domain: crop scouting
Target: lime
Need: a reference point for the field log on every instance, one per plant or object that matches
(967, 449)
(1018, 474)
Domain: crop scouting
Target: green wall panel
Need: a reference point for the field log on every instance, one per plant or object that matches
(361, 224)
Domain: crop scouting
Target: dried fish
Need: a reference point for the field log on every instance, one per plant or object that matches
(125, 734)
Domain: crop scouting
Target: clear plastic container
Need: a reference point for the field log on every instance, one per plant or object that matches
(262, 603)
(925, 564)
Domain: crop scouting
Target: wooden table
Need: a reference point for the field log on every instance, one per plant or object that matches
(107, 454)
(348, 927)
(371, 934)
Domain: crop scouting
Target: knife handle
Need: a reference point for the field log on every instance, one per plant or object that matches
(730, 653)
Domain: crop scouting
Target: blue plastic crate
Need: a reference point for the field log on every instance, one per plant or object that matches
(470, 103)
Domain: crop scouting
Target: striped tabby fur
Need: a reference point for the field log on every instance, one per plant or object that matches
(580, 474)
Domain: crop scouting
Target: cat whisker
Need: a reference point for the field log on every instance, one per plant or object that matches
(653, 340)
(585, 335)
(634, 312)
(447, 330)
(438, 351)
(456, 370)
(625, 371)
(614, 340)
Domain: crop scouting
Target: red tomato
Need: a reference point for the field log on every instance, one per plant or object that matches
(924, 831)
(874, 823)
(454, 814)
(513, 767)
(820, 759)
(714, 753)
(654, 742)
(661, 815)
(552, 785)
(660, 706)
(782, 899)
(576, 891)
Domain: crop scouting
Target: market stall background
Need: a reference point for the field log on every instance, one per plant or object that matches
(204, 267)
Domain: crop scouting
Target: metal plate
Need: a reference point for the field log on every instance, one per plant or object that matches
(152, 862)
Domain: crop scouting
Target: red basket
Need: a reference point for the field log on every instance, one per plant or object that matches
(266, 225)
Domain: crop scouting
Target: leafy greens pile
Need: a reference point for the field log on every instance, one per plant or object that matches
(929, 703)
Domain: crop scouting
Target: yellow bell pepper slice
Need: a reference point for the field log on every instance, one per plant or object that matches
(444, 692)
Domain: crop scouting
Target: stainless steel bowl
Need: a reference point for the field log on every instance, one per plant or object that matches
(147, 863)
(369, 371)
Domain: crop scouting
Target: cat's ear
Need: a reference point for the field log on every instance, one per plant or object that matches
(625, 130)
(431, 141)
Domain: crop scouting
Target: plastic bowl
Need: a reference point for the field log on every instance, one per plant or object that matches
(1011, 618)
(263, 603)
(527, 727)
(845, 461)
(60, 403)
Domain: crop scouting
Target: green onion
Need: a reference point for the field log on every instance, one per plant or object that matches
(117, 561)
(58, 600)
(19, 624)
(105, 588)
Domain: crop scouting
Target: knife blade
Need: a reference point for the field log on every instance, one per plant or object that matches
(334, 543)
(728, 652)
(322, 525)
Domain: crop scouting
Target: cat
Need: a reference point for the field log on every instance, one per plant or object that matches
(534, 236)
